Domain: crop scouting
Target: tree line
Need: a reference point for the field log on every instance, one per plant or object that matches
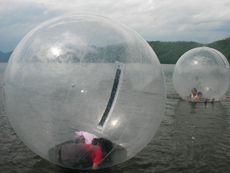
(170, 52)
(167, 52)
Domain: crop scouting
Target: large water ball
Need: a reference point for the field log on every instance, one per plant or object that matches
(84, 73)
(203, 68)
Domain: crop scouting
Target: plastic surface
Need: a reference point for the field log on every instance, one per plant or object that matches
(203, 68)
(84, 73)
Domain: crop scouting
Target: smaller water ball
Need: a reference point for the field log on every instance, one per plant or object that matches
(203, 69)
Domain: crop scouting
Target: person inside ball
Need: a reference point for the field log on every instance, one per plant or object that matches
(82, 155)
(200, 97)
(88, 136)
(79, 139)
(193, 96)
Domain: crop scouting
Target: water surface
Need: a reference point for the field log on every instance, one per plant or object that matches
(192, 137)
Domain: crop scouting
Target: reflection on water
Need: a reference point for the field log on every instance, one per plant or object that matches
(192, 137)
(199, 136)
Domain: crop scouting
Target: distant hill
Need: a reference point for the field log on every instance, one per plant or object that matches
(170, 52)
(4, 57)
(223, 46)
(167, 52)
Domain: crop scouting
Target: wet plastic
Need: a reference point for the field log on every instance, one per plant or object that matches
(203, 68)
(84, 73)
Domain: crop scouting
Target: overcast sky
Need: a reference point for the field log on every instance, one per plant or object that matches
(201, 21)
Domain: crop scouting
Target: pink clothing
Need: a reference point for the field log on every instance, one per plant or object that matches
(88, 136)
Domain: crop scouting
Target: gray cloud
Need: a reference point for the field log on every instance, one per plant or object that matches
(165, 20)
(17, 19)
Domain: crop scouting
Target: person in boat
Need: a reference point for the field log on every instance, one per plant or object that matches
(82, 155)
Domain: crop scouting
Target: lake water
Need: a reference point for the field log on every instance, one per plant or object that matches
(192, 137)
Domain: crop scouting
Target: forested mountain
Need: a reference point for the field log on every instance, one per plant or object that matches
(4, 57)
(223, 46)
(167, 52)
(170, 52)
